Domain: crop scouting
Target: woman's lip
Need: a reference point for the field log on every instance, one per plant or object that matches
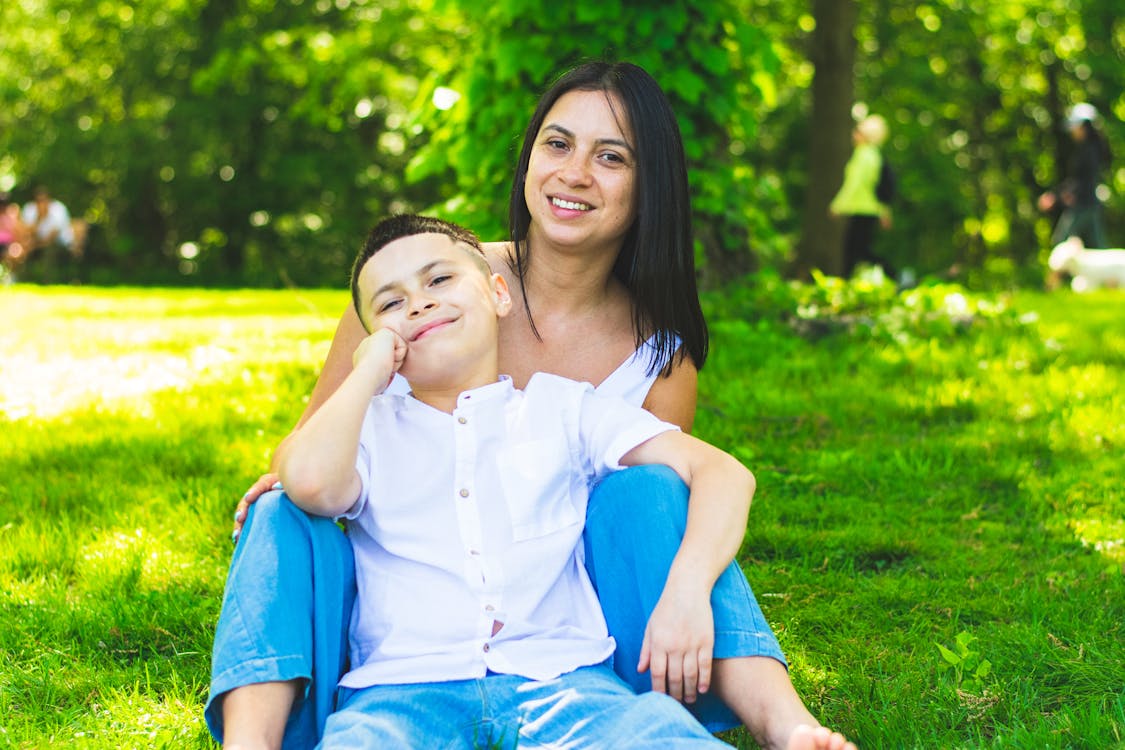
(430, 327)
(567, 199)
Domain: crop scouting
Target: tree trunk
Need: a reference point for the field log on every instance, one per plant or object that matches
(833, 55)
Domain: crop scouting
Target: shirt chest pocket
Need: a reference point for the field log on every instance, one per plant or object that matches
(537, 478)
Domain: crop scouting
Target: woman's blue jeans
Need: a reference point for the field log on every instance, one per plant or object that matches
(291, 587)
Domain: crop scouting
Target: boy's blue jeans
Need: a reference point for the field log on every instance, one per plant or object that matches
(589, 707)
(291, 586)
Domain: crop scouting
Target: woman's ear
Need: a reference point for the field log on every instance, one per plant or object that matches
(503, 295)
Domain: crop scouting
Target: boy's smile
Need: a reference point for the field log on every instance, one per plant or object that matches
(429, 326)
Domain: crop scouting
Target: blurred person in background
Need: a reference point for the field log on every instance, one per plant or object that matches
(1082, 213)
(11, 235)
(857, 201)
(49, 231)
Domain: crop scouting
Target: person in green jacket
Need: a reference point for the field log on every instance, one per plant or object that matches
(856, 198)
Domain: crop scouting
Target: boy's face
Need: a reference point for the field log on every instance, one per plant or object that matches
(437, 295)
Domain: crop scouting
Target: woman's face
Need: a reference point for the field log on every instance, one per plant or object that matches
(580, 178)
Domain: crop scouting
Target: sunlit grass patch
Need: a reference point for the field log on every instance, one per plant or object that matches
(75, 349)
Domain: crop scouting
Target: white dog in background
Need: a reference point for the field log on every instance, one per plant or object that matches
(1088, 269)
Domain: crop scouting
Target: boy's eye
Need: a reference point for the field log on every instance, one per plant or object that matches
(441, 278)
(388, 305)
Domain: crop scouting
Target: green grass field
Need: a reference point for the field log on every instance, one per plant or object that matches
(938, 536)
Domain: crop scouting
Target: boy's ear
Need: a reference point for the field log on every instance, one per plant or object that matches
(503, 295)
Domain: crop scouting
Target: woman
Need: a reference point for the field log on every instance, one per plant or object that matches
(856, 198)
(602, 265)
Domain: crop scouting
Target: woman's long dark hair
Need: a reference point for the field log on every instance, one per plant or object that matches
(657, 259)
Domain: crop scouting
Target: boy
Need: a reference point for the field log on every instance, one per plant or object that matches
(475, 617)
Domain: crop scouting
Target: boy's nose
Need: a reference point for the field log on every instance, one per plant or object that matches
(420, 306)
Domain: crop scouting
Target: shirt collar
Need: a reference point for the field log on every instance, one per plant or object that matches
(500, 389)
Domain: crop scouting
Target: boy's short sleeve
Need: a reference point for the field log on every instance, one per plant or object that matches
(610, 427)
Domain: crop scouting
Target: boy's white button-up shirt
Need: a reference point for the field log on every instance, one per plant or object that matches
(476, 517)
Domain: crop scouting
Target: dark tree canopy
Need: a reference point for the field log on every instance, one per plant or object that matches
(253, 142)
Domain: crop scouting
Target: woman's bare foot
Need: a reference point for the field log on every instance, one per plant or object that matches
(807, 737)
(758, 690)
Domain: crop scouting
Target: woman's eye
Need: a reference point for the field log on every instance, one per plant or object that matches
(613, 158)
(556, 143)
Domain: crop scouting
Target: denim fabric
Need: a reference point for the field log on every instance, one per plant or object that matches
(292, 583)
(588, 708)
(285, 615)
(634, 526)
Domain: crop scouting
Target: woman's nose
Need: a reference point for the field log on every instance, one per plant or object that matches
(575, 171)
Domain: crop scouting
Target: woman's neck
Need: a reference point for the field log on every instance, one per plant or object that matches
(568, 282)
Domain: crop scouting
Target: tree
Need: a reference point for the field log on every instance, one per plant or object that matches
(254, 141)
(832, 51)
(717, 70)
(233, 142)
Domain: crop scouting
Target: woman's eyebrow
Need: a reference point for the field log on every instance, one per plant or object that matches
(600, 141)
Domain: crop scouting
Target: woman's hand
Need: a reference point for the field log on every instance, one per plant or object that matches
(264, 484)
(678, 645)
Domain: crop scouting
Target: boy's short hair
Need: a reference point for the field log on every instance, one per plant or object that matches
(407, 225)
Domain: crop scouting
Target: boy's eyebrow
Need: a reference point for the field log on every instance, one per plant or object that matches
(420, 272)
(599, 141)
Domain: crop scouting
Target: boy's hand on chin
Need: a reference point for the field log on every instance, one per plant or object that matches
(381, 354)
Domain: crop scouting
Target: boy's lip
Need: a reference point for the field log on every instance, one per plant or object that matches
(431, 325)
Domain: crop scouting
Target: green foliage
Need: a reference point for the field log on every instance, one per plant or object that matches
(968, 668)
(216, 142)
(718, 71)
(255, 141)
(868, 306)
(975, 94)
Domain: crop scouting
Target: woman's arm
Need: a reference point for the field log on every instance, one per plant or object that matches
(317, 462)
(673, 398)
(680, 634)
(337, 367)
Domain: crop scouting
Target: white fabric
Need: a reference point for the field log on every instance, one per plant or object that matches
(630, 381)
(476, 517)
(58, 219)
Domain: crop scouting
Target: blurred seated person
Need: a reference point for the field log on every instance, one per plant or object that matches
(50, 230)
(12, 233)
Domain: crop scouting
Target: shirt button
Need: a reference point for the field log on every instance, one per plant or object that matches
(464, 492)
(474, 552)
(486, 648)
(461, 420)
(489, 608)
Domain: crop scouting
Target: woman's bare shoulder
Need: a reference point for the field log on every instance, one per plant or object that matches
(499, 255)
